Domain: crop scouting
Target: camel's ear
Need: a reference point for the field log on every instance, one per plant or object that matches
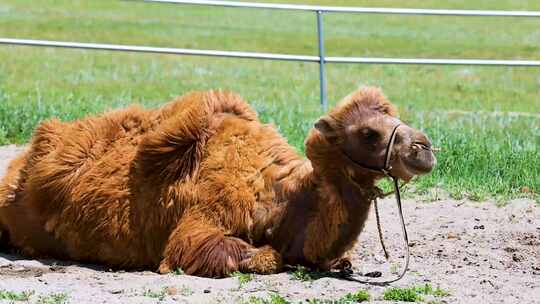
(327, 126)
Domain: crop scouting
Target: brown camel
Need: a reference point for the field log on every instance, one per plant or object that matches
(200, 184)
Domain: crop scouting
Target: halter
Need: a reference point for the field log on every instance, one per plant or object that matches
(387, 156)
(385, 170)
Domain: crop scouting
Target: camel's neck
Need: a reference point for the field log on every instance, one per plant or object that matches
(322, 217)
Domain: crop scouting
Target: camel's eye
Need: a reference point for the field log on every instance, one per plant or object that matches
(369, 135)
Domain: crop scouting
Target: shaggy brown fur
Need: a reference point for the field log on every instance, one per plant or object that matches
(199, 184)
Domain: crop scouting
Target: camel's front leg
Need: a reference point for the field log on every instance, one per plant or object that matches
(263, 260)
(200, 248)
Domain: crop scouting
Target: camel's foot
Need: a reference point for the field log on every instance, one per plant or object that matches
(164, 268)
(342, 264)
(263, 260)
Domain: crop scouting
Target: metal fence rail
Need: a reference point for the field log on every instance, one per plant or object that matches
(321, 58)
(267, 56)
(345, 9)
(158, 50)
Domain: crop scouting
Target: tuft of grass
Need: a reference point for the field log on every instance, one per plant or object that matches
(360, 296)
(477, 195)
(159, 295)
(186, 291)
(15, 296)
(427, 289)
(413, 294)
(357, 297)
(274, 299)
(56, 298)
(243, 278)
(394, 268)
(402, 294)
(302, 273)
(178, 271)
(350, 298)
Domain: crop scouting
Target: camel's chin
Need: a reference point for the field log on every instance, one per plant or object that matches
(406, 174)
(415, 164)
(420, 163)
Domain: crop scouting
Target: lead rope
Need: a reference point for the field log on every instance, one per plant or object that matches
(378, 218)
(405, 238)
(381, 238)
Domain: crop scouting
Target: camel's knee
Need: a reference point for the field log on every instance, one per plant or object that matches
(214, 256)
(264, 260)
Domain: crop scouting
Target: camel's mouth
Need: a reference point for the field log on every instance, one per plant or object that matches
(414, 158)
(420, 159)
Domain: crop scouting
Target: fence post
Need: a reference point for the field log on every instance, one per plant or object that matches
(322, 74)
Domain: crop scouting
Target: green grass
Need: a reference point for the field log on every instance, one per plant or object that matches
(15, 296)
(357, 297)
(243, 278)
(413, 294)
(178, 271)
(402, 295)
(427, 289)
(303, 274)
(159, 295)
(56, 298)
(186, 291)
(484, 155)
(274, 299)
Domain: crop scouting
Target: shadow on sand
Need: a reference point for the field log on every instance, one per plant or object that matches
(14, 264)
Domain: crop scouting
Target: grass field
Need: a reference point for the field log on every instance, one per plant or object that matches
(486, 150)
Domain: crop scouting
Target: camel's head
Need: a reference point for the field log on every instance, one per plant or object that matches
(357, 133)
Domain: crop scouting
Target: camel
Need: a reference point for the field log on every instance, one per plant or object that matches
(202, 185)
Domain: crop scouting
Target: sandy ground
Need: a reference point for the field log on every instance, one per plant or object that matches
(478, 252)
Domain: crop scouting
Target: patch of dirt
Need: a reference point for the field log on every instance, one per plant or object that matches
(478, 252)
